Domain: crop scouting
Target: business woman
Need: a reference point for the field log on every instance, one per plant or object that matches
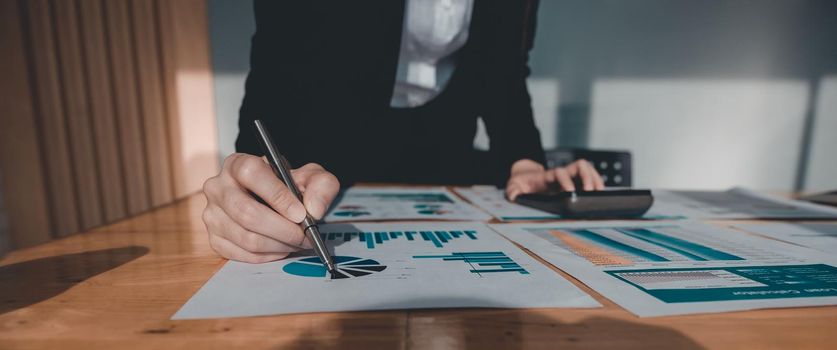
(378, 91)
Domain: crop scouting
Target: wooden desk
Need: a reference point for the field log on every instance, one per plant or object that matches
(117, 287)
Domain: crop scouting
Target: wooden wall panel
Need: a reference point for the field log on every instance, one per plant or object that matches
(188, 84)
(21, 170)
(100, 97)
(149, 70)
(127, 103)
(77, 112)
(50, 120)
(106, 111)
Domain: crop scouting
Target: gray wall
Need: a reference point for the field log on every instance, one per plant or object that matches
(231, 24)
(707, 94)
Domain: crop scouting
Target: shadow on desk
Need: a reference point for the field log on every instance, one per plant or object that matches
(29, 282)
(490, 329)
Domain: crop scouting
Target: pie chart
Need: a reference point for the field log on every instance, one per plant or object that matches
(346, 267)
(431, 209)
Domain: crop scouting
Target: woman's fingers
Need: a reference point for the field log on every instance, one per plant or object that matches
(586, 173)
(225, 227)
(242, 228)
(598, 182)
(529, 182)
(231, 251)
(319, 188)
(564, 179)
(255, 175)
(253, 216)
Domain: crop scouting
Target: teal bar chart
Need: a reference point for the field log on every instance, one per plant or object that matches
(372, 239)
(481, 262)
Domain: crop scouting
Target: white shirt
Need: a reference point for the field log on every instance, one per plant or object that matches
(433, 31)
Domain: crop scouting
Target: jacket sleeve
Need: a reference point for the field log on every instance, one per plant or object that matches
(507, 109)
(272, 90)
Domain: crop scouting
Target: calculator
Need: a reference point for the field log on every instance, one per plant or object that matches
(606, 204)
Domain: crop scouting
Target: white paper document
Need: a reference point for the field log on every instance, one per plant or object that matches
(681, 267)
(390, 266)
(737, 203)
(821, 236)
(399, 203)
(493, 200)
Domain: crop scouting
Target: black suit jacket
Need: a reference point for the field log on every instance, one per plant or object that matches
(322, 75)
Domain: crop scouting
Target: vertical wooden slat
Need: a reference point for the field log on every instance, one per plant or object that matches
(149, 64)
(82, 144)
(100, 98)
(22, 178)
(50, 116)
(127, 107)
(106, 109)
(188, 85)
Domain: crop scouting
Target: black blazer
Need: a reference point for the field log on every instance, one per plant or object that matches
(322, 75)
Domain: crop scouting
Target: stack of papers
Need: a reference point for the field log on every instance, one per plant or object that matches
(681, 267)
(651, 268)
(736, 203)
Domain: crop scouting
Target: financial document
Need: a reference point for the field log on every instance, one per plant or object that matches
(681, 267)
(736, 203)
(390, 266)
(399, 203)
(819, 236)
(493, 200)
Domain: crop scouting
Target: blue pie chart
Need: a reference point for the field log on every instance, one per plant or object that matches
(346, 267)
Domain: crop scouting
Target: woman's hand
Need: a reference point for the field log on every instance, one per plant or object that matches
(528, 176)
(241, 228)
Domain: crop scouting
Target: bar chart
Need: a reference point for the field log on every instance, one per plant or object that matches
(629, 245)
(481, 262)
(374, 239)
(689, 285)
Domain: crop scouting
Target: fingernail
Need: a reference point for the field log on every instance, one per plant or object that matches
(296, 212)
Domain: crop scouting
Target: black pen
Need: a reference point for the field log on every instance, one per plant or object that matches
(283, 170)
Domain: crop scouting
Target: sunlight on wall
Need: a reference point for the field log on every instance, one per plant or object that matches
(703, 133)
(197, 149)
(229, 92)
